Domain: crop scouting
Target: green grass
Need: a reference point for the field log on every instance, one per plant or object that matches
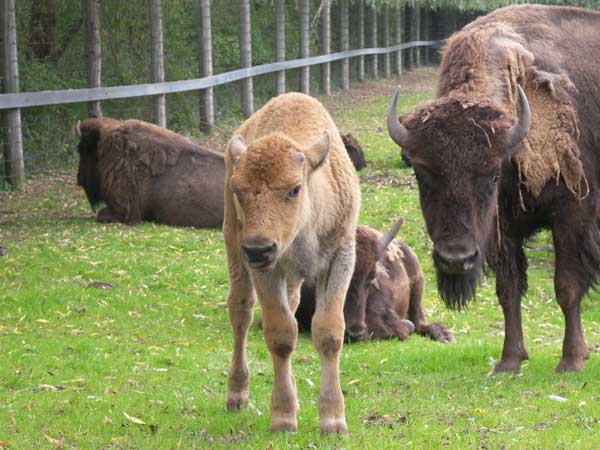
(78, 360)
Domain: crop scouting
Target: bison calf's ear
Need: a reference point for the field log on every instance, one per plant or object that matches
(318, 151)
(236, 149)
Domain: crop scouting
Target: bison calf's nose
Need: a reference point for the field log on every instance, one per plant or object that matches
(261, 254)
(454, 260)
(355, 333)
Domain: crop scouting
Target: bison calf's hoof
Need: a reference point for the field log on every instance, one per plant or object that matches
(235, 402)
(508, 365)
(337, 426)
(284, 424)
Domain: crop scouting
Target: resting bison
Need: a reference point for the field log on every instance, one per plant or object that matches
(385, 296)
(492, 174)
(144, 172)
(291, 206)
(355, 151)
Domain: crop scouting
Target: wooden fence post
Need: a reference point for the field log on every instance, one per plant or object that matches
(361, 39)
(246, 57)
(13, 152)
(93, 50)
(326, 46)
(386, 41)
(207, 106)
(344, 44)
(398, 29)
(157, 60)
(303, 9)
(280, 43)
(426, 33)
(373, 38)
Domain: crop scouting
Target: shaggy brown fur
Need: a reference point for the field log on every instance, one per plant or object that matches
(385, 295)
(291, 206)
(355, 151)
(482, 198)
(144, 172)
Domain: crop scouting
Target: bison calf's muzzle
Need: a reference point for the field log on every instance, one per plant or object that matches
(260, 254)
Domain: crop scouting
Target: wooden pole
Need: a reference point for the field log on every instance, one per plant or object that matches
(415, 35)
(345, 44)
(13, 154)
(157, 59)
(280, 43)
(93, 50)
(386, 41)
(361, 39)
(326, 46)
(246, 57)
(398, 29)
(303, 9)
(207, 106)
(425, 33)
(373, 38)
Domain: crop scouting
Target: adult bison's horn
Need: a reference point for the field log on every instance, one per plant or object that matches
(388, 237)
(399, 134)
(78, 129)
(515, 134)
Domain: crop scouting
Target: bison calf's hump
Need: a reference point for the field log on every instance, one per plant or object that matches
(291, 205)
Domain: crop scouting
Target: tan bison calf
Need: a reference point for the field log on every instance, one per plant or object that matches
(291, 206)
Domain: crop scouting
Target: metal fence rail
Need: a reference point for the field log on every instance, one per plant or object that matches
(47, 98)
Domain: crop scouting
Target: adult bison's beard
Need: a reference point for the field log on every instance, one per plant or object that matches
(457, 290)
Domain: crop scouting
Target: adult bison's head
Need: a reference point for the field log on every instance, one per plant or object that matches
(88, 175)
(269, 181)
(370, 249)
(456, 148)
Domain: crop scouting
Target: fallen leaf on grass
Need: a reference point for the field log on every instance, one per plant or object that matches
(383, 420)
(134, 419)
(100, 285)
(57, 442)
(49, 387)
(356, 380)
(556, 398)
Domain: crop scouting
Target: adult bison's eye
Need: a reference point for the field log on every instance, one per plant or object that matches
(294, 192)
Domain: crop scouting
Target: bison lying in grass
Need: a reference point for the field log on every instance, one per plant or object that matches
(291, 206)
(144, 172)
(385, 296)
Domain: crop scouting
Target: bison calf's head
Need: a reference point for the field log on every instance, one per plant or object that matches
(370, 249)
(268, 182)
(456, 147)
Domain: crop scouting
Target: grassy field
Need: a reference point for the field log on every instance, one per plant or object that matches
(142, 365)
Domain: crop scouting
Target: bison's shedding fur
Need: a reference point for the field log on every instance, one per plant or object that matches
(491, 173)
(144, 172)
(291, 207)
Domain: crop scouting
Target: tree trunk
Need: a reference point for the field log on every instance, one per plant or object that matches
(398, 29)
(361, 39)
(42, 28)
(93, 50)
(345, 44)
(157, 61)
(13, 155)
(280, 43)
(386, 41)
(246, 57)
(415, 30)
(303, 9)
(373, 38)
(425, 34)
(326, 46)
(207, 107)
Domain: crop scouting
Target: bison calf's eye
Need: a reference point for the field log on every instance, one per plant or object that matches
(294, 192)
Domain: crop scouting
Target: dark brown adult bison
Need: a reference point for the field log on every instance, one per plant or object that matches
(512, 145)
(385, 296)
(144, 172)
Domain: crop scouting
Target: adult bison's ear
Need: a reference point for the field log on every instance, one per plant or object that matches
(236, 149)
(317, 153)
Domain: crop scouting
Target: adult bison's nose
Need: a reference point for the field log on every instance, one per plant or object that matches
(260, 253)
(355, 333)
(455, 257)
